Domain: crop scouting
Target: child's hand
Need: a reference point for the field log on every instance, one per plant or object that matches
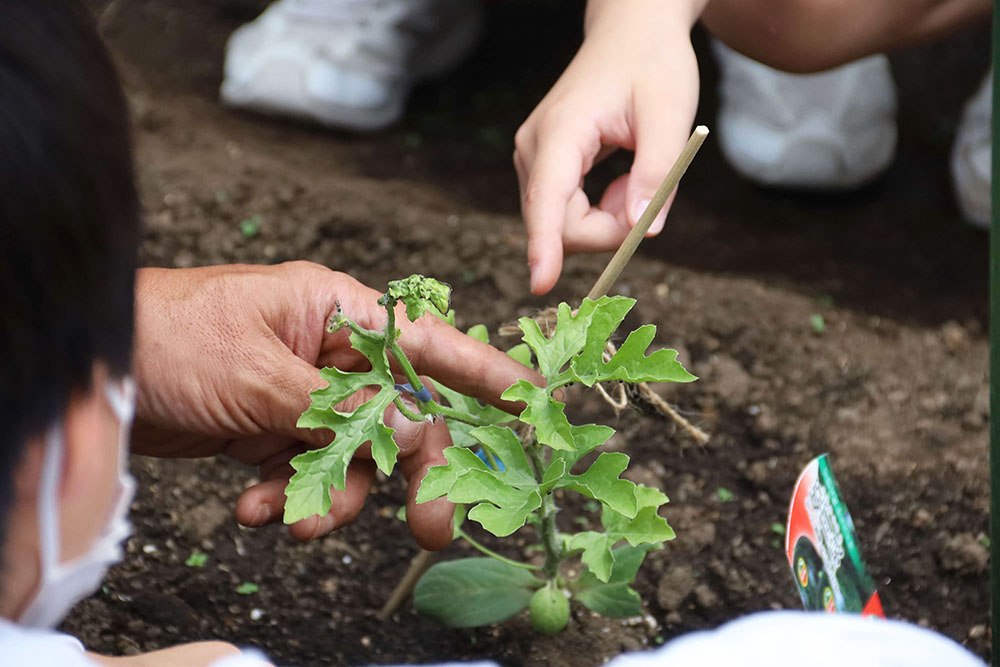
(633, 85)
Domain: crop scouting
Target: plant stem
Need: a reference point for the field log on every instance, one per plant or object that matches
(367, 334)
(420, 564)
(435, 408)
(404, 363)
(548, 510)
(405, 411)
(493, 554)
(390, 325)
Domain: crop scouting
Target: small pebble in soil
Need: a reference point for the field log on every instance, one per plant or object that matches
(256, 614)
(149, 549)
(366, 641)
(977, 632)
(347, 560)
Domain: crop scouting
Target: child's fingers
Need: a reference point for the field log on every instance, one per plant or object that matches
(662, 124)
(553, 165)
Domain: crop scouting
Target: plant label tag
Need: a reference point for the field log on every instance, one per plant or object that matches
(822, 547)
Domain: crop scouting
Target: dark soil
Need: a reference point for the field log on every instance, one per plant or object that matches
(895, 388)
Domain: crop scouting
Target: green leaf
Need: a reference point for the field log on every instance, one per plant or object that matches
(457, 520)
(448, 317)
(647, 497)
(571, 332)
(613, 597)
(247, 588)
(479, 332)
(554, 474)
(440, 479)
(601, 482)
(630, 363)
(470, 592)
(608, 315)
(597, 554)
(342, 385)
(420, 294)
(546, 414)
(506, 446)
(308, 490)
(522, 354)
(460, 431)
(586, 438)
(502, 508)
(196, 559)
(503, 500)
(647, 527)
(502, 520)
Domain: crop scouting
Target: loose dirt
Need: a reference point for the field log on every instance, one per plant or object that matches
(895, 388)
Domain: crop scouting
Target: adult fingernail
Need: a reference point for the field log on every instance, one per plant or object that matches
(326, 525)
(262, 515)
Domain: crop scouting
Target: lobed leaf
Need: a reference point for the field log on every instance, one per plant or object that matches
(440, 479)
(630, 363)
(506, 446)
(502, 520)
(470, 592)
(460, 431)
(597, 554)
(601, 482)
(308, 490)
(614, 596)
(647, 527)
(503, 499)
(573, 332)
(343, 385)
(586, 438)
(521, 353)
(545, 413)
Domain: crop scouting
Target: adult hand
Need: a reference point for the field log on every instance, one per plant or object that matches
(633, 85)
(226, 356)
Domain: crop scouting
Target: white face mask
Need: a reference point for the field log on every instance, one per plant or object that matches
(62, 585)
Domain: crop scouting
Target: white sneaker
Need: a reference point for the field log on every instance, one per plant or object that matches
(828, 131)
(971, 156)
(345, 63)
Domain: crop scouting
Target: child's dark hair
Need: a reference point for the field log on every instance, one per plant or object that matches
(69, 218)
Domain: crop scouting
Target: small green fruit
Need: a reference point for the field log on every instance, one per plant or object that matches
(549, 609)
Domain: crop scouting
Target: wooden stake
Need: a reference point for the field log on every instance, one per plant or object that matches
(634, 238)
(420, 564)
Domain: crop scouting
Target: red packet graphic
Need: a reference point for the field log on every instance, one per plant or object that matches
(822, 547)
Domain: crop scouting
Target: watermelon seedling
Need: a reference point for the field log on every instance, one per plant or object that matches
(504, 472)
